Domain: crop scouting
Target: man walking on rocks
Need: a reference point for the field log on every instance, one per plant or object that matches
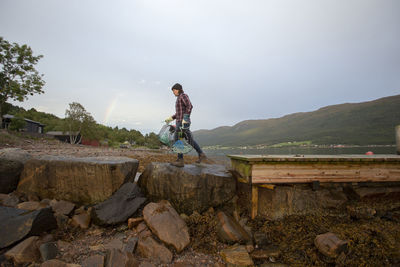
(183, 108)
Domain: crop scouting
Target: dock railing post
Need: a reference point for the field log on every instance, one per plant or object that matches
(398, 139)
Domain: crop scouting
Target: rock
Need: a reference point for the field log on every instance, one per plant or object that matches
(48, 251)
(149, 248)
(146, 264)
(273, 264)
(237, 255)
(133, 222)
(80, 210)
(3, 197)
(16, 224)
(249, 248)
(114, 244)
(229, 230)
(120, 206)
(58, 263)
(261, 239)
(118, 258)
(264, 254)
(330, 245)
(79, 180)
(4, 262)
(94, 261)
(62, 207)
(24, 252)
(11, 200)
(141, 227)
(30, 205)
(361, 212)
(12, 162)
(166, 224)
(191, 188)
(130, 245)
(81, 220)
(46, 238)
(62, 220)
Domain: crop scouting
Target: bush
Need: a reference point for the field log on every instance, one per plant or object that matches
(17, 124)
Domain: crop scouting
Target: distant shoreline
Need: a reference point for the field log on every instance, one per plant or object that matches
(218, 147)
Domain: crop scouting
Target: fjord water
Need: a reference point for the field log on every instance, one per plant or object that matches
(391, 150)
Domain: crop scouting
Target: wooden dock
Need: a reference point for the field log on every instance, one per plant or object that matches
(270, 170)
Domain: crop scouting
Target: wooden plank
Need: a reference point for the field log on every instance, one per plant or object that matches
(268, 186)
(243, 169)
(316, 158)
(254, 201)
(305, 173)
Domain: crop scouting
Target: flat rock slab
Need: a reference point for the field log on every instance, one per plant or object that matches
(191, 188)
(79, 180)
(11, 165)
(120, 206)
(16, 224)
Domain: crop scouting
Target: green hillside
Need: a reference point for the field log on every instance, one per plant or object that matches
(113, 136)
(363, 123)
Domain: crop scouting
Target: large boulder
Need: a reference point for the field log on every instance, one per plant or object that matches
(11, 165)
(120, 206)
(16, 224)
(191, 188)
(79, 180)
(166, 224)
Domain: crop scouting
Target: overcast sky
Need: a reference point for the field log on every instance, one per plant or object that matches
(236, 59)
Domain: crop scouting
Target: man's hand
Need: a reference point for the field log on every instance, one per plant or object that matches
(169, 119)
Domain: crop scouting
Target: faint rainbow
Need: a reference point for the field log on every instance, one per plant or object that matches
(110, 109)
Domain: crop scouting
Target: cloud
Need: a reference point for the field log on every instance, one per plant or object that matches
(237, 60)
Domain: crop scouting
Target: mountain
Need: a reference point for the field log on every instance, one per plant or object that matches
(365, 123)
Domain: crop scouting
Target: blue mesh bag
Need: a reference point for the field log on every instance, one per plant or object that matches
(181, 146)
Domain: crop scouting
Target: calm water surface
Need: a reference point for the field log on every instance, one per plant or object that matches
(221, 153)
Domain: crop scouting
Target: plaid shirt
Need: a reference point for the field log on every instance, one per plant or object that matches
(182, 106)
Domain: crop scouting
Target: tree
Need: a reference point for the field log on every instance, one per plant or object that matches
(79, 123)
(18, 76)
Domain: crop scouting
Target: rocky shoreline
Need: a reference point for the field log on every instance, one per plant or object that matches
(148, 230)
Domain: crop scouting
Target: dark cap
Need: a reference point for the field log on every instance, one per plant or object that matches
(177, 86)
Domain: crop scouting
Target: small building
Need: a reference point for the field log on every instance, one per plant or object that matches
(30, 126)
(62, 136)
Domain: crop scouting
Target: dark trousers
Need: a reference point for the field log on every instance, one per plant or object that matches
(188, 136)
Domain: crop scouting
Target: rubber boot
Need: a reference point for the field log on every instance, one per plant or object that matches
(178, 163)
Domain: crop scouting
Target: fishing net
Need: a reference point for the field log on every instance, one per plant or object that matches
(166, 135)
